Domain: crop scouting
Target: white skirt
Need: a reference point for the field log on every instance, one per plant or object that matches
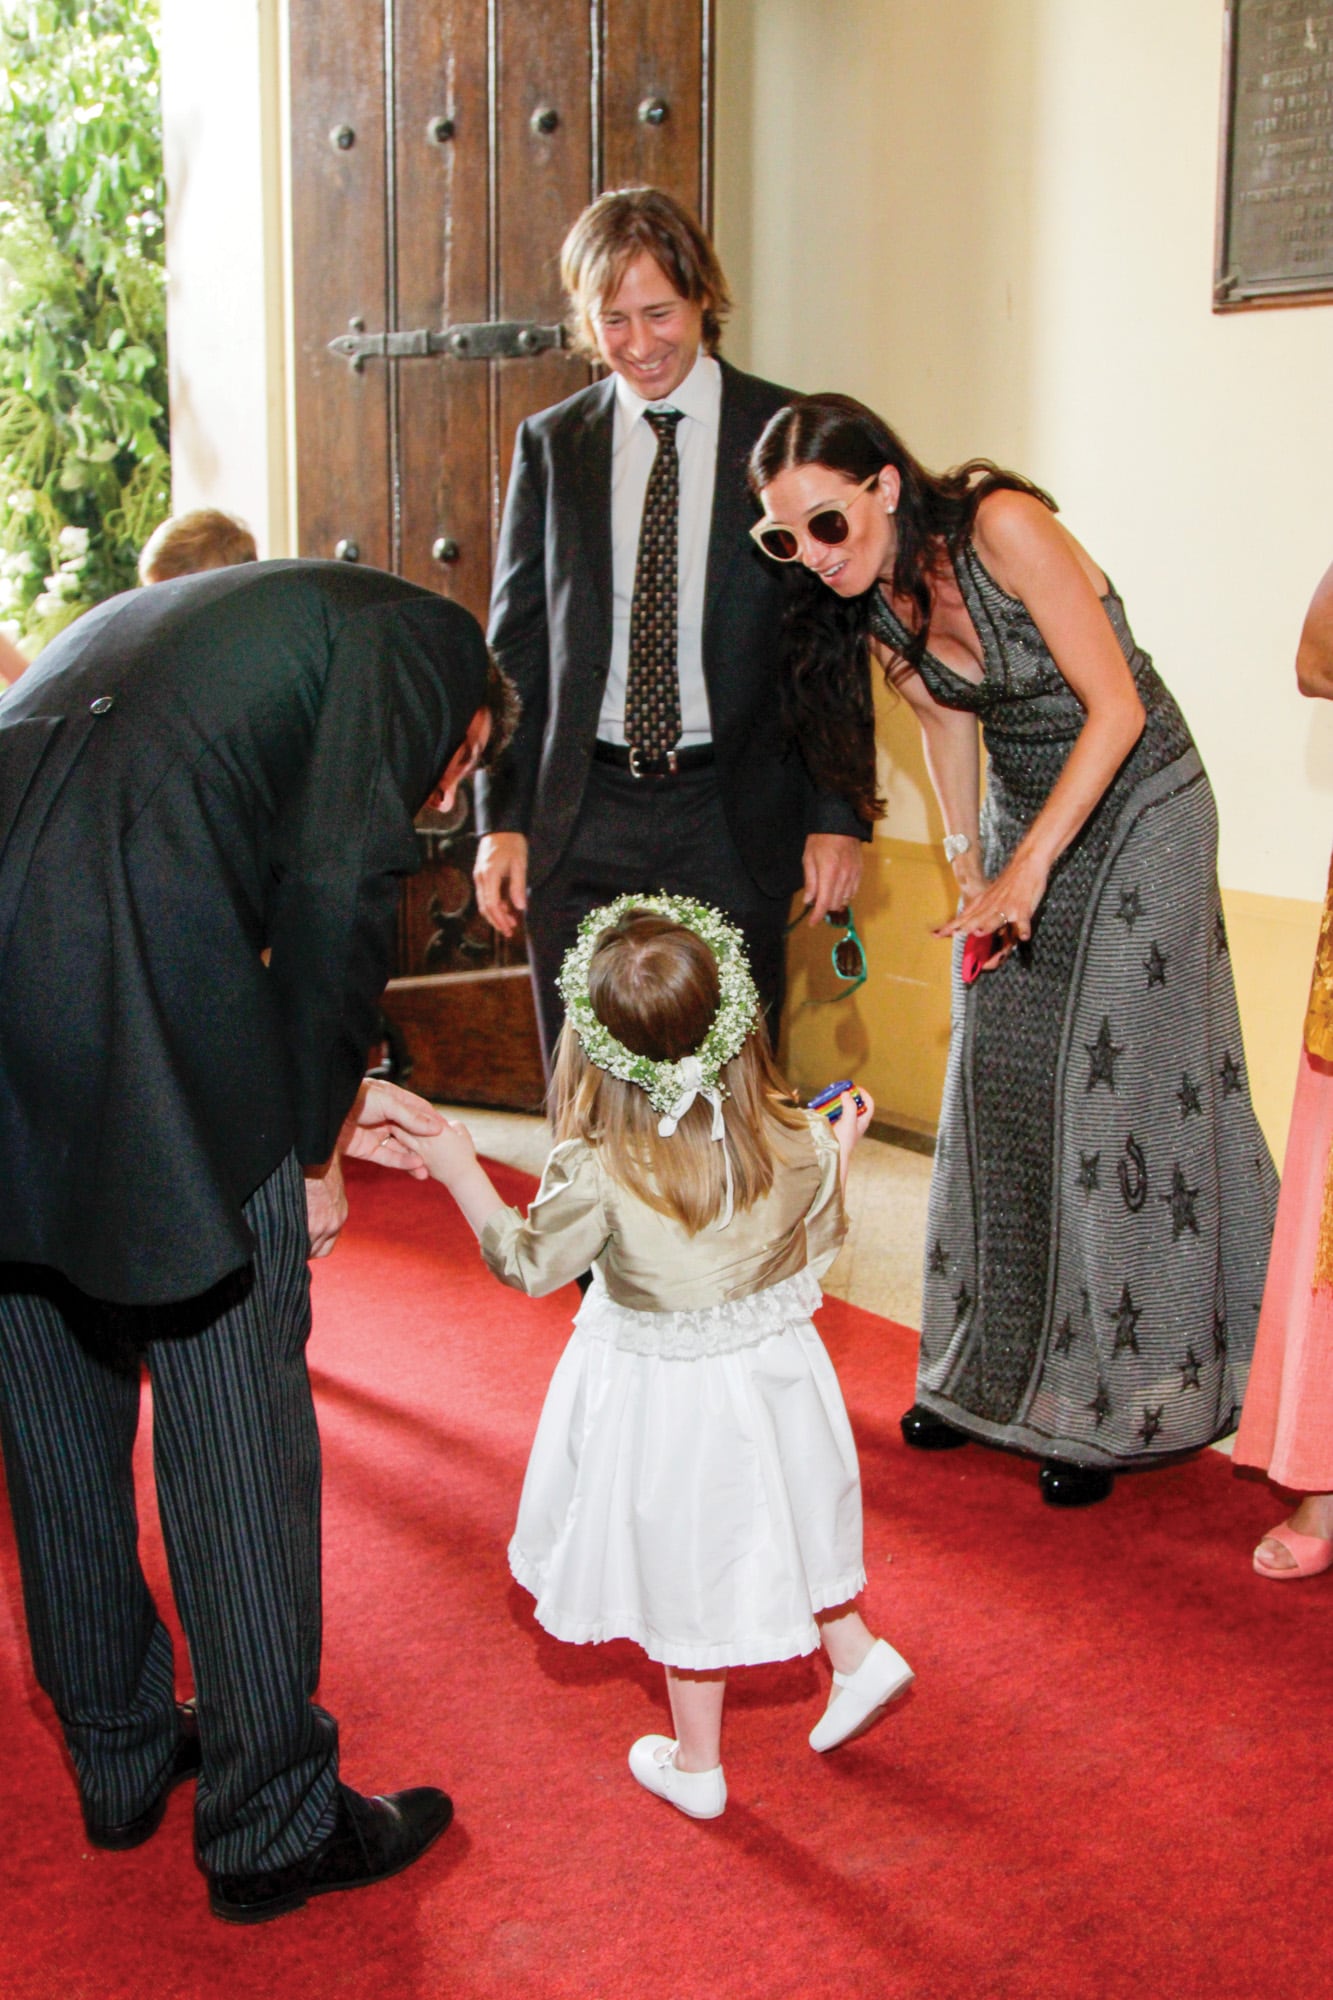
(693, 1484)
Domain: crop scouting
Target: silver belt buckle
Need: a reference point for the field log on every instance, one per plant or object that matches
(636, 769)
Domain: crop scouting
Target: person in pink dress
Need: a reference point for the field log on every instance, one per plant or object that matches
(1286, 1426)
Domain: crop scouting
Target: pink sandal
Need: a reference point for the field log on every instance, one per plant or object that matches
(1310, 1553)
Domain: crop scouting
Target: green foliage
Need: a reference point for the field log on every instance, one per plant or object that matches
(84, 466)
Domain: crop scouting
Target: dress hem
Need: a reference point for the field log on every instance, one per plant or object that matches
(1026, 1443)
(757, 1651)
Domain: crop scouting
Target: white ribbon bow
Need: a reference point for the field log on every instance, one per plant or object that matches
(692, 1085)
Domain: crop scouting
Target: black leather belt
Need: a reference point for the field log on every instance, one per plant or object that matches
(669, 764)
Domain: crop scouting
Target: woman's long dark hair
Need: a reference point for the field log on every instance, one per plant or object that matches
(826, 654)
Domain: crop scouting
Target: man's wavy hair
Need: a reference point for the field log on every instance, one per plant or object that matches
(616, 229)
(826, 653)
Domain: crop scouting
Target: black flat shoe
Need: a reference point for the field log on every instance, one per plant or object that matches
(924, 1431)
(373, 1839)
(1065, 1485)
(184, 1764)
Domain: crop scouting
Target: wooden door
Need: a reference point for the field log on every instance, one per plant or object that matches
(440, 151)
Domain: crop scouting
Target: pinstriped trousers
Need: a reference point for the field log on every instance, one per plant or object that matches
(237, 1468)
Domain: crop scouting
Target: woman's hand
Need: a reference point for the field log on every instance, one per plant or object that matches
(1003, 908)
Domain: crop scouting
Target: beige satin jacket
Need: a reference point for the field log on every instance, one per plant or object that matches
(580, 1217)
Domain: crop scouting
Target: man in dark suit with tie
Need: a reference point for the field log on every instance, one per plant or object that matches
(642, 627)
(207, 792)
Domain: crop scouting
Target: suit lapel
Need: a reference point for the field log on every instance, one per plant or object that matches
(733, 509)
(588, 473)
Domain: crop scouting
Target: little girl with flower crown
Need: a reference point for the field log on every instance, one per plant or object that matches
(693, 1484)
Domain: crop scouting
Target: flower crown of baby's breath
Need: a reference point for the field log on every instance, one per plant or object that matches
(666, 1083)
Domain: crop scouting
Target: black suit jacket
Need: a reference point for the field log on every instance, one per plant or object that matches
(551, 631)
(189, 774)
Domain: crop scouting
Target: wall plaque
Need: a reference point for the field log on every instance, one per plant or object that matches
(1275, 179)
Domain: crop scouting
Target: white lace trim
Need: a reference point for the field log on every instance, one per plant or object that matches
(688, 1336)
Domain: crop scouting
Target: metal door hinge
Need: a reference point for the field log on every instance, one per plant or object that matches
(491, 340)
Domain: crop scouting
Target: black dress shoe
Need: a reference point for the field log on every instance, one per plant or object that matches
(373, 1838)
(184, 1764)
(924, 1431)
(1065, 1485)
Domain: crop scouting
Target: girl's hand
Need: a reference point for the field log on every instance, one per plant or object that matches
(448, 1154)
(852, 1124)
(1003, 908)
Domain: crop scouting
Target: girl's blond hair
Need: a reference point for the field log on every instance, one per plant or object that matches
(654, 984)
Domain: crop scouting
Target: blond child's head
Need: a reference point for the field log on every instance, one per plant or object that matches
(205, 538)
(655, 985)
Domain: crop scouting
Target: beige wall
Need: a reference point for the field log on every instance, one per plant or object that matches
(993, 220)
(226, 303)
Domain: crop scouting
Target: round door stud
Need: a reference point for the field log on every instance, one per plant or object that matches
(653, 111)
(545, 119)
(446, 550)
(343, 137)
(347, 551)
(440, 131)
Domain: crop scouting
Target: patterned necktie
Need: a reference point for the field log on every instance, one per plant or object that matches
(652, 688)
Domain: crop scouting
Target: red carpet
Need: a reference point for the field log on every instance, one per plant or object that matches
(1107, 1782)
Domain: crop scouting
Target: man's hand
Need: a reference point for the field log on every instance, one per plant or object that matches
(500, 875)
(325, 1205)
(832, 863)
(368, 1129)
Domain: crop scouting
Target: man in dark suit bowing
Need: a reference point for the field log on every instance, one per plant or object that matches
(642, 627)
(206, 800)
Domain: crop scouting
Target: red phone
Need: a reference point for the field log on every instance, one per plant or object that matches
(976, 950)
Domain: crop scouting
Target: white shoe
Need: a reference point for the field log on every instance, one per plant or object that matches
(701, 1794)
(857, 1698)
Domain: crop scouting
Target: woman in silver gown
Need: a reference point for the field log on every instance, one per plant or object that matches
(1103, 1200)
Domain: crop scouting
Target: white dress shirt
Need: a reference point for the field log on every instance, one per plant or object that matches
(633, 449)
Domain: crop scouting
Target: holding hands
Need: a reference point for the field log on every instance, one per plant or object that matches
(448, 1155)
(376, 1128)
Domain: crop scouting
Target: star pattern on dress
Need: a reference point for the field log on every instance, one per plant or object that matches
(1187, 1097)
(1126, 1317)
(1189, 1370)
(939, 1262)
(1087, 1172)
(1229, 1074)
(1219, 1331)
(1152, 1422)
(1181, 1202)
(1220, 945)
(962, 1299)
(1131, 908)
(1103, 1055)
(1100, 1405)
(1064, 1339)
(1155, 964)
